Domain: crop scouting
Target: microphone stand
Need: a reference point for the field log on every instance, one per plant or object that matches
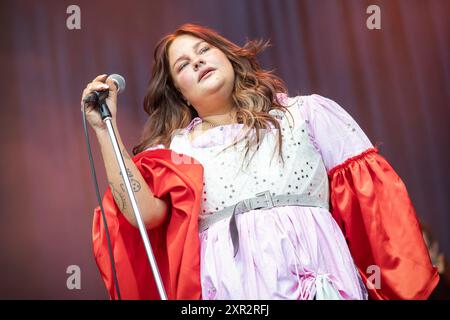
(106, 117)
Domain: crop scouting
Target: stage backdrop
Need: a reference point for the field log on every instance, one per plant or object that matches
(394, 81)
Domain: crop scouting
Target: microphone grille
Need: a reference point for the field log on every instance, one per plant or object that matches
(119, 81)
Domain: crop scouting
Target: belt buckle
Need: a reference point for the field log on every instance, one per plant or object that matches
(268, 197)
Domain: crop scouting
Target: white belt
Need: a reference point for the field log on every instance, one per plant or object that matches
(263, 200)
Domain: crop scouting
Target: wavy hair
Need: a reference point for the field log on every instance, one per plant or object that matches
(254, 93)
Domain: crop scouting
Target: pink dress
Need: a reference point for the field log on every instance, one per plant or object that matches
(289, 252)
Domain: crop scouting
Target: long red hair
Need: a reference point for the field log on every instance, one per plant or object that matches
(254, 93)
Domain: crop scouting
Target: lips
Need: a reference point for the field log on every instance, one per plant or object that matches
(204, 73)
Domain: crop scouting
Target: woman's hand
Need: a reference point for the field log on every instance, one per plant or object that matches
(100, 83)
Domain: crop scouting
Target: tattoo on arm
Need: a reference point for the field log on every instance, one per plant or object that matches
(128, 172)
(118, 197)
(135, 185)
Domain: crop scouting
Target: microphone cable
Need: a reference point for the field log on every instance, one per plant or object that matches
(99, 199)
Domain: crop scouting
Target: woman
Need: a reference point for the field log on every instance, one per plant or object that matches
(267, 230)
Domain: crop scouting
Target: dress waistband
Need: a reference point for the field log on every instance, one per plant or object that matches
(263, 200)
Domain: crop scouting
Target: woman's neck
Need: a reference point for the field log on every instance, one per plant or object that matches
(211, 121)
(220, 119)
(224, 113)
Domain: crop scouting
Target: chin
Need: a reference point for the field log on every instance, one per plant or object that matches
(213, 85)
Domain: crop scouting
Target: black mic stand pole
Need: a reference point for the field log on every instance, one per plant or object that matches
(106, 117)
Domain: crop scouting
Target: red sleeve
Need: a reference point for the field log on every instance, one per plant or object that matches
(175, 244)
(371, 204)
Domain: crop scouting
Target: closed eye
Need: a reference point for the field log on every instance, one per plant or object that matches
(204, 49)
(182, 66)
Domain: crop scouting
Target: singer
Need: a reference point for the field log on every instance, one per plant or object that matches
(294, 202)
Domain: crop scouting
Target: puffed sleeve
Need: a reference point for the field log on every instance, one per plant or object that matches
(175, 243)
(370, 203)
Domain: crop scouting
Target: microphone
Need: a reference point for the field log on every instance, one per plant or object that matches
(97, 96)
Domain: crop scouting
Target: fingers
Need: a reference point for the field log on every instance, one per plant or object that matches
(101, 78)
(112, 86)
(93, 86)
(100, 83)
(97, 86)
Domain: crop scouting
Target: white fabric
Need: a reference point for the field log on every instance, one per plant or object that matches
(227, 183)
(333, 132)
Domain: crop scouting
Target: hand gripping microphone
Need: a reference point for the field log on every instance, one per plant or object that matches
(98, 97)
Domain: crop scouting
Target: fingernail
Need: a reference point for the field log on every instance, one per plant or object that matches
(105, 86)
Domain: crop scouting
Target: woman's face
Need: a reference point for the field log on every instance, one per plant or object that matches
(201, 72)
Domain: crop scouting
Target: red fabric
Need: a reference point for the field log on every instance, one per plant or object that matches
(371, 204)
(175, 244)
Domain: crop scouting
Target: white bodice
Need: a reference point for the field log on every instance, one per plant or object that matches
(227, 181)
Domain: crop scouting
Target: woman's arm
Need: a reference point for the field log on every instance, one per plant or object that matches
(152, 209)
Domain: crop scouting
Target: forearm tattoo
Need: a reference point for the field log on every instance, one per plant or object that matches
(135, 185)
(118, 197)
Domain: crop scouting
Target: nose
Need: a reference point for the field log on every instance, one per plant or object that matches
(198, 63)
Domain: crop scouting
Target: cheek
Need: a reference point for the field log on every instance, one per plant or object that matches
(228, 67)
(230, 70)
(185, 80)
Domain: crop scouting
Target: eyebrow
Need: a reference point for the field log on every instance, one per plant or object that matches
(195, 46)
